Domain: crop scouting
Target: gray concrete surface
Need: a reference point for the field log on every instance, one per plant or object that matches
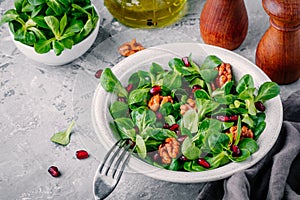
(38, 100)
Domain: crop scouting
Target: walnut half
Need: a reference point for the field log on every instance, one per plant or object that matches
(168, 150)
(130, 48)
(190, 104)
(156, 101)
(245, 132)
(224, 74)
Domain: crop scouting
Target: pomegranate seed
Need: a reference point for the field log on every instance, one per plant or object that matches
(54, 171)
(122, 99)
(132, 143)
(155, 90)
(236, 152)
(136, 129)
(178, 132)
(82, 154)
(203, 163)
(182, 158)
(222, 118)
(186, 62)
(155, 157)
(166, 126)
(196, 87)
(260, 106)
(98, 73)
(233, 118)
(129, 87)
(159, 116)
(182, 138)
(174, 127)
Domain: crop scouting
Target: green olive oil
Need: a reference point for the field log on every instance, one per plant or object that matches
(146, 13)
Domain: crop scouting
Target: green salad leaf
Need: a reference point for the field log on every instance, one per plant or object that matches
(208, 69)
(63, 138)
(143, 117)
(111, 83)
(141, 146)
(267, 90)
(189, 149)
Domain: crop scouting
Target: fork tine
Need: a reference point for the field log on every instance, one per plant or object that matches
(122, 168)
(122, 158)
(108, 154)
(114, 155)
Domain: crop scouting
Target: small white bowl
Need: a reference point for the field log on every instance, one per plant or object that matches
(67, 56)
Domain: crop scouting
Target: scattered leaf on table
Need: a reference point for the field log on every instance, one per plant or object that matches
(63, 138)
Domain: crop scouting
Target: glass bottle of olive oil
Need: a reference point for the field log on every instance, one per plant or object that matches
(146, 13)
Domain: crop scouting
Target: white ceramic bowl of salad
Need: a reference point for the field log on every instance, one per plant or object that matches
(67, 55)
(161, 55)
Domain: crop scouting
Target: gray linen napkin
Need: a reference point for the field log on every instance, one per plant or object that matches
(276, 176)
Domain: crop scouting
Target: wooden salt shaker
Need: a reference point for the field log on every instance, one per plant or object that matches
(278, 52)
(224, 23)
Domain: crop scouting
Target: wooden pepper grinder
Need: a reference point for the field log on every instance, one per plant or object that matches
(278, 52)
(224, 23)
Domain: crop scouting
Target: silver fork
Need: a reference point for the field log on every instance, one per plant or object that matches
(111, 169)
